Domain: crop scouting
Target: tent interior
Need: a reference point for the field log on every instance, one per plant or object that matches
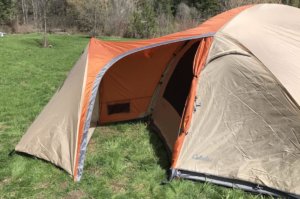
(156, 87)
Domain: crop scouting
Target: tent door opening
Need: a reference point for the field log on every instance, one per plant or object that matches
(170, 104)
(179, 84)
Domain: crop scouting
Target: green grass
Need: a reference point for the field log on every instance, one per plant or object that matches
(123, 160)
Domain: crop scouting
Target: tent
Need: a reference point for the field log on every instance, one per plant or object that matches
(224, 96)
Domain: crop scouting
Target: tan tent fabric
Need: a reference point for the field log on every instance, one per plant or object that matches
(246, 126)
(51, 136)
(271, 33)
(167, 120)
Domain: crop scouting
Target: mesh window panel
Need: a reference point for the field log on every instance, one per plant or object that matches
(118, 108)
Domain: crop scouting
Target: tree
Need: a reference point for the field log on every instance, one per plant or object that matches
(44, 9)
(207, 8)
(164, 6)
(129, 18)
(229, 4)
(24, 11)
(143, 23)
(6, 10)
(90, 14)
(164, 14)
(117, 23)
(295, 3)
(34, 6)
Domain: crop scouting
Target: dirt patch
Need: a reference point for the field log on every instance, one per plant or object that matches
(64, 185)
(3, 127)
(95, 171)
(43, 185)
(118, 186)
(76, 194)
(99, 136)
(107, 130)
(5, 181)
(92, 146)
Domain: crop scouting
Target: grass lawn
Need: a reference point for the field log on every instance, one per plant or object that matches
(123, 160)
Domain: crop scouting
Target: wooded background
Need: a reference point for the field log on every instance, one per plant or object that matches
(123, 18)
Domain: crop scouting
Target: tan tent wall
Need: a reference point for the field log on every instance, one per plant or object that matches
(271, 33)
(246, 127)
(52, 136)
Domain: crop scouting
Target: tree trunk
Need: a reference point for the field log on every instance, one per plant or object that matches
(34, 10)
(95, 22)
(45, 43)
(23, 11)
(26, 11)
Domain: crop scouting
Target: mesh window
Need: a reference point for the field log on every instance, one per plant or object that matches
(118, 108)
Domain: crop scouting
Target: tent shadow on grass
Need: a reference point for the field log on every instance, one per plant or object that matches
(156, 140)
(160, 149)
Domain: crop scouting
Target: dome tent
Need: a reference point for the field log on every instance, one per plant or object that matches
(224, 96)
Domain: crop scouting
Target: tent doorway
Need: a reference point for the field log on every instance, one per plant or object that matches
(170, 103)
(179, 84)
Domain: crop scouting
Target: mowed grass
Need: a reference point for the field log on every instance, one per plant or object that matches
(124, 160)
